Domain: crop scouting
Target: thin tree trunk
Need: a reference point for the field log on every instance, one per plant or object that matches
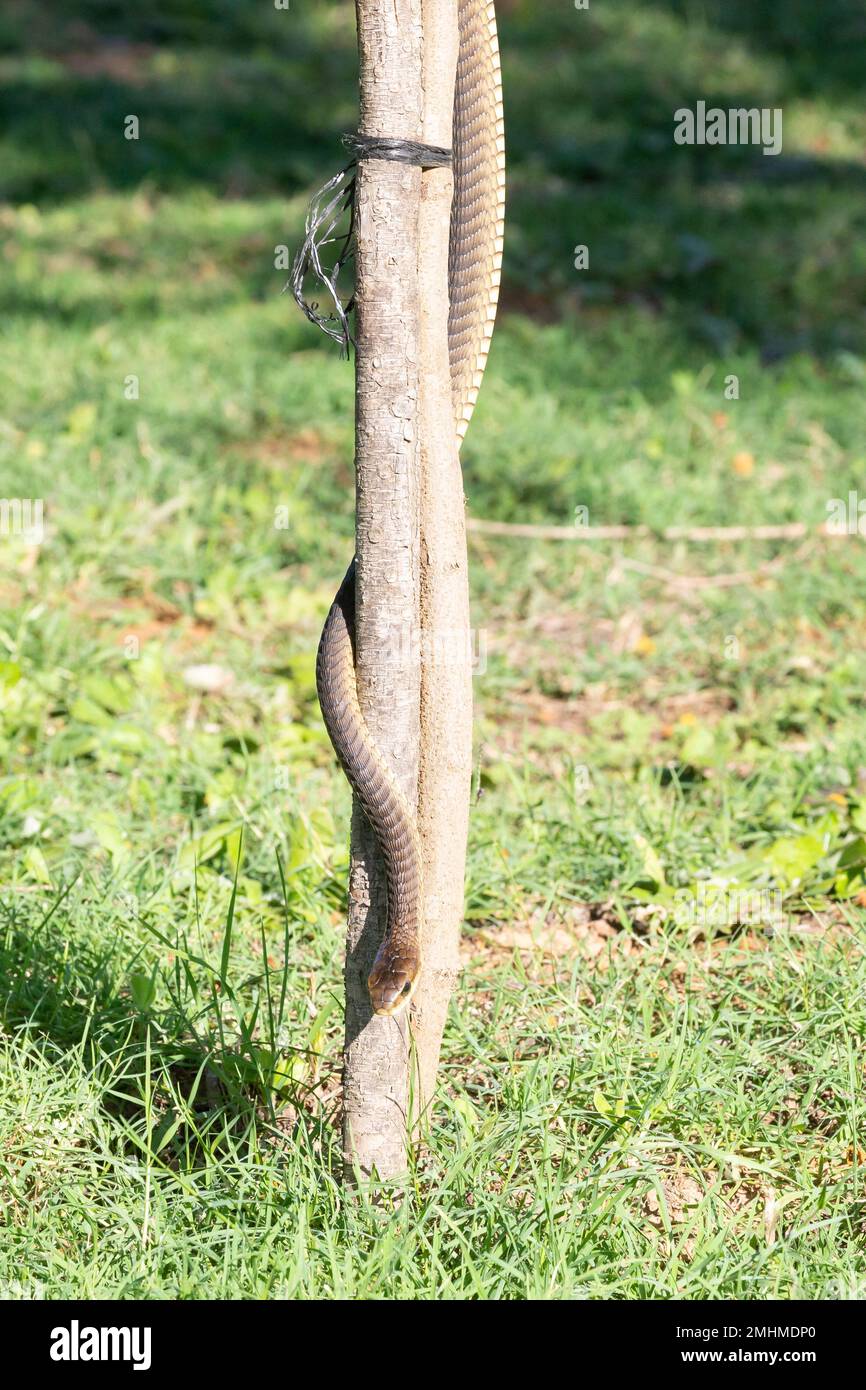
(446, 674)
(375, 1115)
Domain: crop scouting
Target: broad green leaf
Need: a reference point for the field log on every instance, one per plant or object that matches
(142, 987)
(205, 846)
(602, 1106)
(791, 858)
(699, 746)
(34, 861)
(113, 695)
(653, 869)
(106, 828)
(10, 674)
(87, 711)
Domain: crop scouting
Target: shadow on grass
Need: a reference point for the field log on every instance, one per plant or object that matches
(176, 1080)
(249, 101)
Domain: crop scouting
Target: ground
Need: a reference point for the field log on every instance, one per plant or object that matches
(652, 1082)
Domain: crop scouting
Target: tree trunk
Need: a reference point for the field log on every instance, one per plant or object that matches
(376, 1068)
(446, 675)
(405, 423)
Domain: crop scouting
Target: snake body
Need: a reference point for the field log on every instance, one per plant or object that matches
(475, 255)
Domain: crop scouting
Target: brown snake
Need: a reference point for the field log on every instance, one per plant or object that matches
(474, 258)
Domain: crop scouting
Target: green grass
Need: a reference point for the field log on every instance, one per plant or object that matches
(637, 1100)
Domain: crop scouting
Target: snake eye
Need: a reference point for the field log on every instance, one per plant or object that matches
(406, 988)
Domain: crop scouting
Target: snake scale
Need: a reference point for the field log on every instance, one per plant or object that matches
(474, 259)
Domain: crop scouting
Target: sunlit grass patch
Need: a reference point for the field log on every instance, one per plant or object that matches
(652, 1080)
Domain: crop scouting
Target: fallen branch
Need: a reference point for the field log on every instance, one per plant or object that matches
(791, 531)
(690, 582)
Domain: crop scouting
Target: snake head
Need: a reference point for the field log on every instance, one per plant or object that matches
(392, 980)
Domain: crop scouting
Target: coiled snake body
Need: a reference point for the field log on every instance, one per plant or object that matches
(475, 254)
